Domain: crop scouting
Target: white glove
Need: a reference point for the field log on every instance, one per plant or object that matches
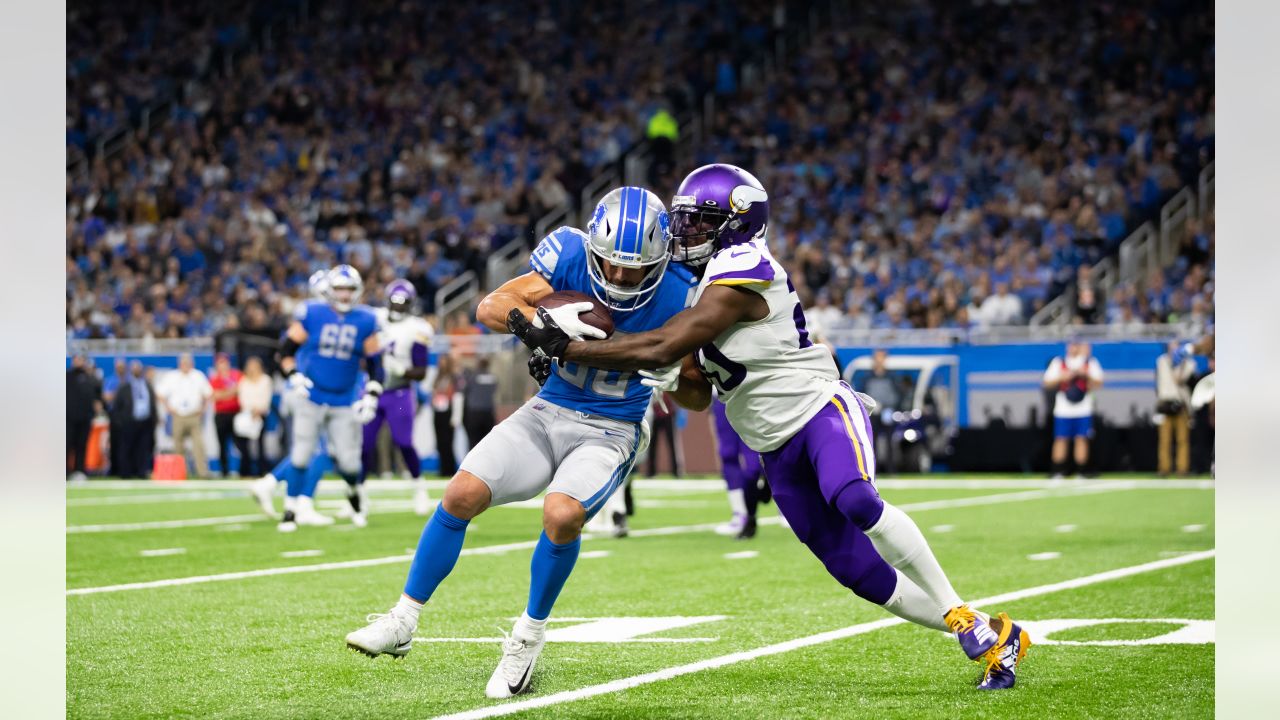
(665, 379)
(566, 316)
(367, 406)
(299, 386)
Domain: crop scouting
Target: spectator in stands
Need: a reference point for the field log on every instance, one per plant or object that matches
(225, 381)
(479, 401)
(1075, 376)
(185, 393)
(135, 411)
(1002, 308)
(1175, 368)
(883, 387)
(254, 395)
(84, 401)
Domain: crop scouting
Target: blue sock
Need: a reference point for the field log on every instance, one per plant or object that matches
(281, 470)
(315, 471)
(548, 572)
(437, 553)
(295, 480)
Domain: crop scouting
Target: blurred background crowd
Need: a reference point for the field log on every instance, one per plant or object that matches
(931, 164)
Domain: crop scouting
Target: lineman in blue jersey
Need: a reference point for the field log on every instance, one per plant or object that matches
(265, 487)
(577, 439)
(333, 334)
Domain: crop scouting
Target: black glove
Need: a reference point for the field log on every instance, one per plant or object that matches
(549, 340)
(540, 368)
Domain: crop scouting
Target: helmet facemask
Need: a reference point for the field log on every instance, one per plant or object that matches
(623, 298)
(694, 232)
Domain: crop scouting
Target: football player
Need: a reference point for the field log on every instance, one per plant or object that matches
(783, 395)
(577, 438)
(740, 466)
(334, 334)
(406, 346)
(265, 486)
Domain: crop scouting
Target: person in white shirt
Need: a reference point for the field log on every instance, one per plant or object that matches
(1076, 377)
(254, 393)
(1002, 308)
(185, 393)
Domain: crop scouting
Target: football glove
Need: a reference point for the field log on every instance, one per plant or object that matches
(298, 386)
(665, 379)
(367, 406)
(540, 368)
(566, 318)
(547, 340)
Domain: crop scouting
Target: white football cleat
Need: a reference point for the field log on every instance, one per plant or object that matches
(360, 520)
(733, 527)
(515, 670)
(421, 500)
(344, 512)
(262, 489)
(386, 634)
(306, 514)
(289, 523)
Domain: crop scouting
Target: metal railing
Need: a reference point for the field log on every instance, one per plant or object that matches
(455, 294)
(1173, 224)
(1006, 334)
(1206, 195)
(503, 264)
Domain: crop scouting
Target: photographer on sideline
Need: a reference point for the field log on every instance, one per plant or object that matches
(1076, 377)
(1174, 370)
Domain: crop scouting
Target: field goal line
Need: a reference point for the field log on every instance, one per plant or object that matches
(613, 686)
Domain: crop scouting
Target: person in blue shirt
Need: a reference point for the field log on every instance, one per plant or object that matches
(577, 439)
(334, 334)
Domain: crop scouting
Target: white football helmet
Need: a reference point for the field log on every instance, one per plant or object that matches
(629, 229)
(343, 288)
(318, 283)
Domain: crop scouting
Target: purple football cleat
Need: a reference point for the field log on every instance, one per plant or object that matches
(972, 629)
(1002, 660)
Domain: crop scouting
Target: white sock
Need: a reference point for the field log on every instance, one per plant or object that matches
(902, 545)
(529, 629)
(911, 603)
(290, 503)
(737, 503)
(409, 608)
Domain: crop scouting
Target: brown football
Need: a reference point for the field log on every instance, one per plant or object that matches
(597, 317)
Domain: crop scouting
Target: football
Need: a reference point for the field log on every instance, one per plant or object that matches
(598, 317)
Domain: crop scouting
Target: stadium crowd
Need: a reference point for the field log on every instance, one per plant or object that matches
(932, 165)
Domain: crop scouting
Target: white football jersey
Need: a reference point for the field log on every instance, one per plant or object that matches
(770, 376)
(398, 339)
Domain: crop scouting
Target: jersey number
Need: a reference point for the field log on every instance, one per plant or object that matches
(601, 384)
(338, 341)
(724, 373)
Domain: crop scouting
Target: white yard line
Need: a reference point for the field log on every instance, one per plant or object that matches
(167, 524)
(671, 484)
(160, 552)
(510, 708)
(491, 549)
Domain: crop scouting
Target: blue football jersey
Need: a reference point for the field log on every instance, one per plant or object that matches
(332, 352)
(561, 258)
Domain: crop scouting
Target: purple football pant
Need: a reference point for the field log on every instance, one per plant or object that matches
(822, 482)
(396, 408)
(739, 464)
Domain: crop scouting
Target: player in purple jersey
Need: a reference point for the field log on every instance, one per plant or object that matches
(740, 466)
(406, 345)
(784, 396)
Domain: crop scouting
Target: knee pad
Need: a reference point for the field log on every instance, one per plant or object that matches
(860, 502)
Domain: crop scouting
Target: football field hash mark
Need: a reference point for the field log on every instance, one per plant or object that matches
(594, 554)
(301, 553)
(509, 708)
(1065, 528)
(744, 555)
(1044, 556)
(1192, 528)
(942, 528)
(160, 552)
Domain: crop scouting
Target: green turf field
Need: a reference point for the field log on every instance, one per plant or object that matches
(242, 633)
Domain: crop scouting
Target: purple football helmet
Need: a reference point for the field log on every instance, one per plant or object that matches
(716, 206)
(401, 297)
